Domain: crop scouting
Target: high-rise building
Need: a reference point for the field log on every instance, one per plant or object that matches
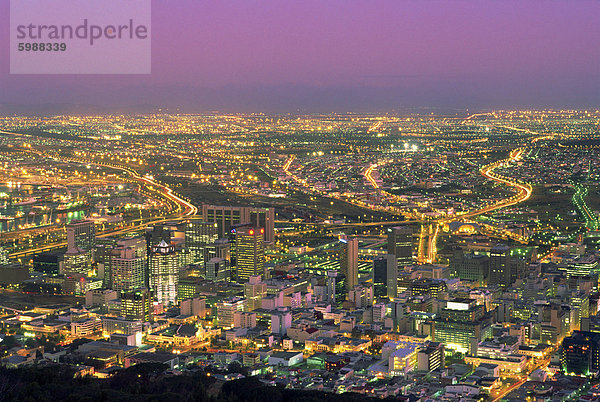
(193, 306)
(361, 296)
(227, 217)
(127, 269)
(254, 291)
(400, 244)
(500, 266)
(198, 234)
(76, 262)
(218, 249)
(164, 273)
(349, 261)
(385, 276)
(81, 234)
(137, 304)
(171, 233)
(250, 253)
(470, 267)
(331, 284)
(217, 269)
(580, 353)
(264, 218)
(103, 251)
(461, 324)
(244, 319)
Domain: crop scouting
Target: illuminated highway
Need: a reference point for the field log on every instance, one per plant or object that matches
(524, 192)
(369, 175)
(186, 207)
(591, 222)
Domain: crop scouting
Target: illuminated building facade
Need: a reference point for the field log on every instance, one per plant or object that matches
(197, 235)
(400, 244)
(580, 353)
(137, 304)
(250, 252)
(164, 273)
(349, 261)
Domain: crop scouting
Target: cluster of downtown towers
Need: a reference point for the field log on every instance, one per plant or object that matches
(225, 243)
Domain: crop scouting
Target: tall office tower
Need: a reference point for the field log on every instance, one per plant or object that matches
(218, 249)
(197, 235)
(331, 275)
(137, 304)
(580, 353)
(385, 276)
(217, 269)
(164, 273)
(127, 270)
(250, 253)
(400, 244)
(264, 218)
(349, 261)
(470, 267)
(102, 253)
(254, 291)
(500, 266)
(226, 217)
(170, 232)
(82, 234)
(231, 237)
(461, 324)
(76, 262)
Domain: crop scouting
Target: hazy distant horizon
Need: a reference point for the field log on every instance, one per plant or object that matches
(340, 56)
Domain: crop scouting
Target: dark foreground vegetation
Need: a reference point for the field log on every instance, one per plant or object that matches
(146, 382)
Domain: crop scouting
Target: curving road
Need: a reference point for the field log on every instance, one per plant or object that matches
(524, 192)
(186, 207)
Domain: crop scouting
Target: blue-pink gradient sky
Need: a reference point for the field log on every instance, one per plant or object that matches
(345, 55)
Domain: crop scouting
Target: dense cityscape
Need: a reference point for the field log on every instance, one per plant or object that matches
(415, 256)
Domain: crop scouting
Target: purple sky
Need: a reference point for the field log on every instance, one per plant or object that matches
(346, 55)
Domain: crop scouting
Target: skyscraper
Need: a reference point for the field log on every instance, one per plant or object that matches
(470, 267)
(385, 276)
(197, 235)
(580, 353)
(76, 262)
(128, 270)
(81, 234)
(226, 217)
(226, 310)
(250, 252)
(331, 276)
(217, 269)
(461, 323)
(349, 261)
(136, 304)
(400, 244)
(164, 272)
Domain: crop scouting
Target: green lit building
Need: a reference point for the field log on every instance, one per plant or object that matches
(461, 324)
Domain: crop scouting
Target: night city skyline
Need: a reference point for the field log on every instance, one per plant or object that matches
(322, 200)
